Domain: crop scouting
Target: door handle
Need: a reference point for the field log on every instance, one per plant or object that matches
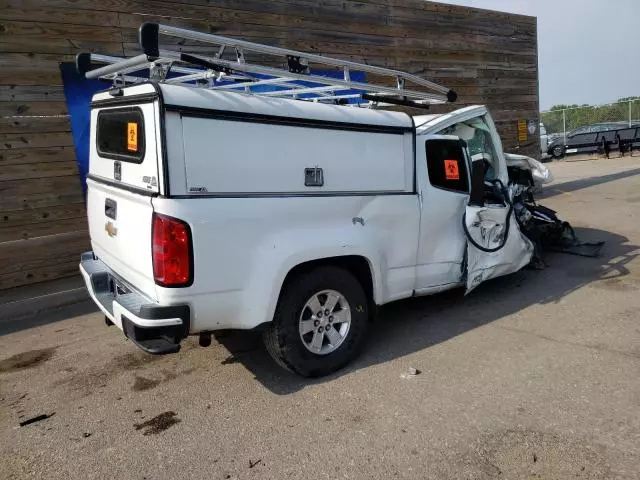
(110, 208)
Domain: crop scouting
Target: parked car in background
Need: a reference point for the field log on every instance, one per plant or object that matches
(544, 142)
(585, 139)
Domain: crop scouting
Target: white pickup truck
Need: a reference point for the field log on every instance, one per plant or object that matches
(216, 209)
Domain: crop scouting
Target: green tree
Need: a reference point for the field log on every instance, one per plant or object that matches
(576, 116)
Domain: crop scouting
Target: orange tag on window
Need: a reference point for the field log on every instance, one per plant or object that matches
(132, 136)
(451, 171)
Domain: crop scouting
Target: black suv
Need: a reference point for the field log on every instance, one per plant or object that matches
(589, 139)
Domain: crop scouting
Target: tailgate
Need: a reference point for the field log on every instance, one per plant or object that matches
(123, 178)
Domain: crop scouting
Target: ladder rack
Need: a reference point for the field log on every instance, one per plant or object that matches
(296, 80)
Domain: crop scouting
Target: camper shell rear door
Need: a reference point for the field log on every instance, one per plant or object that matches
(125, 165)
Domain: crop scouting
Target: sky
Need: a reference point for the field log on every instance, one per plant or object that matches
(588, 50)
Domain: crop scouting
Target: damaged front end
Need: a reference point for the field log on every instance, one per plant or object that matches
(506, 229)
(541, 225)
(495, 244)
(527, 171)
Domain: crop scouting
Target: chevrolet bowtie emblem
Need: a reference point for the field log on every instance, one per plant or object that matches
(111, 229)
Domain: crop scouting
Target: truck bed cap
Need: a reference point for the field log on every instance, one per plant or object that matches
(204, 99)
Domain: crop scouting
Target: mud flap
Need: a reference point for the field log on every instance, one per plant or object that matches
(487, 226)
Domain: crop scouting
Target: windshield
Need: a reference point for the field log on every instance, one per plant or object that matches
(477, 136)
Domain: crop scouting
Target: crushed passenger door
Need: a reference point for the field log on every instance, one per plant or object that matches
(495, 244)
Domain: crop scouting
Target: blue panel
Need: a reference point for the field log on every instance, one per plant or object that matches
(78, 92)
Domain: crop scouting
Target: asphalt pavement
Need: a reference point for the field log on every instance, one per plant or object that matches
(535, 375)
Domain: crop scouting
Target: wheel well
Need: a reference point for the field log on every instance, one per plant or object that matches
(356, 265)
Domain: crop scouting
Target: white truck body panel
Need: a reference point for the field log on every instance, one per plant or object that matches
(244, 248)
(272, 158)
(125, 244)
(253, 152)
(128, 252)
(239, 185)
(442, 243)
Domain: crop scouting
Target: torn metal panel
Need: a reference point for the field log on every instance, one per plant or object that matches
(496, 229)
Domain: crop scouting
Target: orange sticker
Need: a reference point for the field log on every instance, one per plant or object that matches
(451, 171)
(132, 137)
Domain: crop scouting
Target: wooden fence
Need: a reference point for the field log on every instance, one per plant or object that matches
(487, 57)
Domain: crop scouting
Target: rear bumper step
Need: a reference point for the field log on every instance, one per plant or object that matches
(156, 329)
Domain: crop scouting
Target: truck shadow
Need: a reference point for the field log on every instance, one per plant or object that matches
(411, 325)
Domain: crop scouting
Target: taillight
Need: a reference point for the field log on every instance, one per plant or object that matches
(171, 248)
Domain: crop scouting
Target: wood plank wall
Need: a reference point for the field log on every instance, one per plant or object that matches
(487, 57)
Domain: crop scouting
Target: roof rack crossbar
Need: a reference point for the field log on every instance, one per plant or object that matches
(267, 49)
(296, 80)
(264, 70)
(126, 65)
(300, 91)
(110, 60)
(257, 83)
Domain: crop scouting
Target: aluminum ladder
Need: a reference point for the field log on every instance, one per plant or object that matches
(295, 80)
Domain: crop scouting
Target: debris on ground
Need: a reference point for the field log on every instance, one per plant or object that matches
(253, 464)
(38, 418)
(540, 224)
(412, 372)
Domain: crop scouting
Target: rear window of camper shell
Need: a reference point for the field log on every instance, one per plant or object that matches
(120, 134)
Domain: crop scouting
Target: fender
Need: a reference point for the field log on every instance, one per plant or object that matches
(283, 252)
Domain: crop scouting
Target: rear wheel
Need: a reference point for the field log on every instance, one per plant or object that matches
(320, 323)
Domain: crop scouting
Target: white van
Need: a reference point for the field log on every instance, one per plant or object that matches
(216, 209)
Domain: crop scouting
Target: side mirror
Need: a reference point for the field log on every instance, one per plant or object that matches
(476, 197)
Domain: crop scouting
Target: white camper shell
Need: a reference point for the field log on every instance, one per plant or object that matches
(225, 208)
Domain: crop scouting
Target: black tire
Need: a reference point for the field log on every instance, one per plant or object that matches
(282, 337)
(557, 151)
